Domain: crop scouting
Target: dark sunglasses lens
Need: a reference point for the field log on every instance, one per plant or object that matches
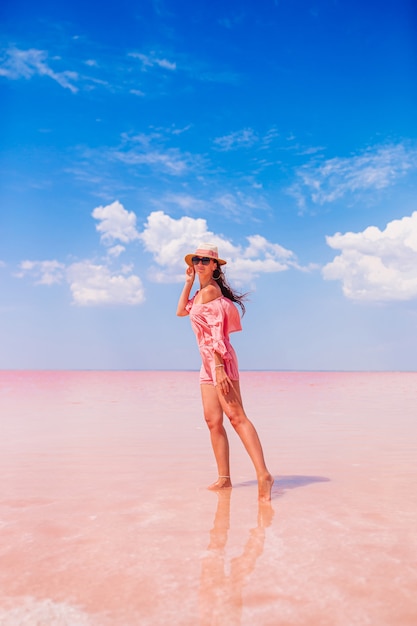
(196, 260)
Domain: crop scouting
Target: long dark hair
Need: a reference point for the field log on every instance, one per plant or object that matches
(227, 291)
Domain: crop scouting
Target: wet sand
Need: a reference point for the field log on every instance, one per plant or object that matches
(105, 519)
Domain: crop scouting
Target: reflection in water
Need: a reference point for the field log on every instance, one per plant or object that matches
(221, 592)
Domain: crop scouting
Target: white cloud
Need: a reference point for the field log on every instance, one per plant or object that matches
(180, 131)
(241, 205)
(186, 202)
(170, 161)
(146, 150)
(240, 139)
(150, 60)
(93, 285)
(260, 257)
(374, 169)
(115, 223)
(377, 265)
(139, 155)
(270, 136)
(28, 63)
(44, 272)
(137, 92)
(229, 203)
(246, 138)
(116, 251)
(258, 245)
(169, 240)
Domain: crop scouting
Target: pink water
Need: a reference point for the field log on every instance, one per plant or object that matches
(105, 519)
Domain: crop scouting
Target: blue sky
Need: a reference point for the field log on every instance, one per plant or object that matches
(284, 131)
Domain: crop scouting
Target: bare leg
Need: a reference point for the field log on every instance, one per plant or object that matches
(213, 414)
(232, 406)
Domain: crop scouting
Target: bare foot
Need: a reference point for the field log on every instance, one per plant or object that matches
(264, 488)
(223, 482)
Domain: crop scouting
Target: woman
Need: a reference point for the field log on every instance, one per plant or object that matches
(213, 316)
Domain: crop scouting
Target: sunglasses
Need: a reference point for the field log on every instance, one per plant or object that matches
(204, 259)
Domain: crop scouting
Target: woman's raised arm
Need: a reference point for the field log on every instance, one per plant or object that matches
(185, 294)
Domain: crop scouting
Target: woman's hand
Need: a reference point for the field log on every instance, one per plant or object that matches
(185, 294)
(223, 381)
(189, 275)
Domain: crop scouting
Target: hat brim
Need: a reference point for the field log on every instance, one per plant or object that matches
(189, 262)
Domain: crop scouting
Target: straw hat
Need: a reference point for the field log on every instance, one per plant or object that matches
(205, 249)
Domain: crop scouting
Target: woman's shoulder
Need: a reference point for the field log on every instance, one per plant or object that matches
(223, 304)
(209, 294)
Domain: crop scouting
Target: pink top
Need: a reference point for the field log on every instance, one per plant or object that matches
(212, 323)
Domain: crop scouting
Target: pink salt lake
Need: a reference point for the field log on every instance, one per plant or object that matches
(105, 519)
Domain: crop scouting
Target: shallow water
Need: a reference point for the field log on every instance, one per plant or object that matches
(105, 519)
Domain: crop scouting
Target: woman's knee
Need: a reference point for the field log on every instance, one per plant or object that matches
(236, 416)
(214, 421)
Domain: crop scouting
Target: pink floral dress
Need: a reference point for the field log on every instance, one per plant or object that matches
(212, 323)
